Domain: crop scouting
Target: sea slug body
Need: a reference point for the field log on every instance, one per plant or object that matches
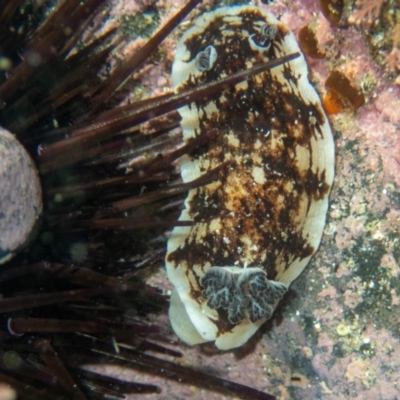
(253, 229)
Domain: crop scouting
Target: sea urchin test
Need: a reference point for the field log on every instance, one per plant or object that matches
(255, 227)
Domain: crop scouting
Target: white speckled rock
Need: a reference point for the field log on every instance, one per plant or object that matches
(20, 196)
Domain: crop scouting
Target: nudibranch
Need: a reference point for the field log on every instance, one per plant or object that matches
(255, 227)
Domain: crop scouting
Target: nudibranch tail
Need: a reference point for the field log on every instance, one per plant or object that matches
(253, 229)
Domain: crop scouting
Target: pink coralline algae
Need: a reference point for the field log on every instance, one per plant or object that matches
(367, 11)
(382, 21)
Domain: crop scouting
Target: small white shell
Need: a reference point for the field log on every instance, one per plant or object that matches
(256, 227)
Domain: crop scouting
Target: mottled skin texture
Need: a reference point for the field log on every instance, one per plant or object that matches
(267, 208)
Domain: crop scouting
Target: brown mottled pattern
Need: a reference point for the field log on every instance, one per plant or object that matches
(264, 110)
(255, 214)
